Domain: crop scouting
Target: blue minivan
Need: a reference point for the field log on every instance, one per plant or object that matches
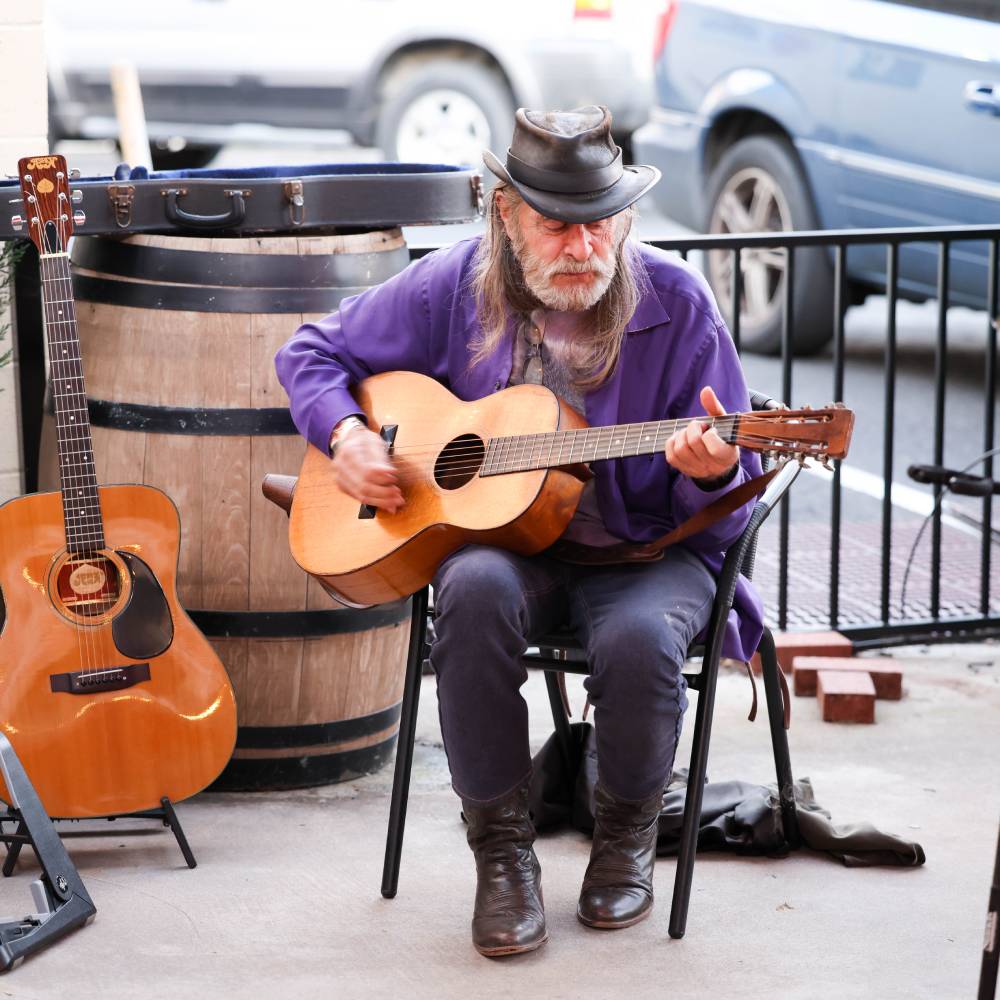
(828, 114)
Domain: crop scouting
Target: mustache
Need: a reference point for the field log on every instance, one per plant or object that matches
(596, 265)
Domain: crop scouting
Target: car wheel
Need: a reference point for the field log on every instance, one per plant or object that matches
(758, 186)
(444, 111)
(189, 156)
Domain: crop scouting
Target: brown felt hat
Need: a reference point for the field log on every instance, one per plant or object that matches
(566, 165)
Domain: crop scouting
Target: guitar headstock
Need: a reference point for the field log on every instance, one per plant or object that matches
(807, 433)
(48, 202)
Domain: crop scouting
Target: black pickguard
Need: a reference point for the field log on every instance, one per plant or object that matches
(144, 628)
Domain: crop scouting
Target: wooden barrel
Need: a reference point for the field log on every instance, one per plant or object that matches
(179, 336)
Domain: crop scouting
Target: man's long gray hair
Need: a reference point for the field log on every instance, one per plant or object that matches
(498, 285)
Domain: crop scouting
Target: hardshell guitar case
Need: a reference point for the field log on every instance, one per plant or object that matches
(248, 201)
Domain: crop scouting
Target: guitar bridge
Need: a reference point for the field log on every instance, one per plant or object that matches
(104, 679)
(388, 435)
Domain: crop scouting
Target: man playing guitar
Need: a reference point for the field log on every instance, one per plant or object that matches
(556, 292)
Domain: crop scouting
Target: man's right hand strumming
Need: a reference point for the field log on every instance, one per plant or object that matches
(363, 468)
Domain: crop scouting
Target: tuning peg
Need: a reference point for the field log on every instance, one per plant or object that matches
(16, 223)
(74, 174)
(76, 196)
(79, 217)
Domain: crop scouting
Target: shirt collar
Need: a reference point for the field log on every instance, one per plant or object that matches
(649, 313)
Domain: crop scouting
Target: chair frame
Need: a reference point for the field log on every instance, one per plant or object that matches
(561, 653)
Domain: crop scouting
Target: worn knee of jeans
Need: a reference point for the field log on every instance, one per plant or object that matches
(478, 602)
(638, 658)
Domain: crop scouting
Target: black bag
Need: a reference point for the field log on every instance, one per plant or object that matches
(735, 815)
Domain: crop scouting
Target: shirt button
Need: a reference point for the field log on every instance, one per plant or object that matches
(496, 385)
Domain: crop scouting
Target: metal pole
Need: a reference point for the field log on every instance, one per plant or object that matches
(940, 380)
(787, 340)
(889, 418)
(989, 402)
(839, 306)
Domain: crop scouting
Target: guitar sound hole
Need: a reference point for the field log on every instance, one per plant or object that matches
(88, 584)
(459, 461)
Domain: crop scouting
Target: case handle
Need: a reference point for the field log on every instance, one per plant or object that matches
(179, 217)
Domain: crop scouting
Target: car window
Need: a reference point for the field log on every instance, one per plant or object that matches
(983, 10)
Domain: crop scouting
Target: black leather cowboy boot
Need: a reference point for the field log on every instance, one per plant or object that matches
(618, 887)
(509, 917)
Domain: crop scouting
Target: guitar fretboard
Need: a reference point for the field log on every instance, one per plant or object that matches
(521, 453)
(77, 476)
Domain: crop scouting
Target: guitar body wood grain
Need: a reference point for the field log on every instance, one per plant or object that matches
(370, 561)
(105, 751)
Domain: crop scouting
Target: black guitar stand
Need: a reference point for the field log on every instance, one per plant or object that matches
(166, 814)
(60, 899)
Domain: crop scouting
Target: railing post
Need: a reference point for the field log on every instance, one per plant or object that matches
(787, 340)
(989, 396)
(840, 307)
(940, 376)
(889, 419)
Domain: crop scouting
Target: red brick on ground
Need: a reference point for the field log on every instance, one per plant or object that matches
(845, 696)
(792, 644)
(885, 675)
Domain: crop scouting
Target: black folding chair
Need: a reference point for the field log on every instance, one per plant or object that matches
(560, 652)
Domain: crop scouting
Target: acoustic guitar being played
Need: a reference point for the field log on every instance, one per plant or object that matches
(505, 470)
(110, 695)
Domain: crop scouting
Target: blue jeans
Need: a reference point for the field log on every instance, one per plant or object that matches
(635, 623)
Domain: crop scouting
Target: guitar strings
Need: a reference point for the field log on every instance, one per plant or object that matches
(661, 427)
(48, 323)
(91, 640)
(409, 472)
(531, 448)
(70, 436)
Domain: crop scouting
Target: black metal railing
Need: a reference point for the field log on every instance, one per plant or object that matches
(888, 625)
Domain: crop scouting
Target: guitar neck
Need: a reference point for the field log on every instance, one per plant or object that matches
(77, 476)
(521, 453)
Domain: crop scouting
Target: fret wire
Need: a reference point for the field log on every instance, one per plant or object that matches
(502, 457)
(81, 499)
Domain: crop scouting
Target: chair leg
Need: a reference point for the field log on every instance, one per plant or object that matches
(564, 736)
(404, 745)
(691, 820)
(779, 738)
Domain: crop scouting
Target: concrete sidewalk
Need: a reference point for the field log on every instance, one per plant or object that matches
(285, 900)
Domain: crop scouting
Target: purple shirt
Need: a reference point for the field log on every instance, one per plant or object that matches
(424, 320)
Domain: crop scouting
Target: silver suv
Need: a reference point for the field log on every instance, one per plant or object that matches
(424, 80)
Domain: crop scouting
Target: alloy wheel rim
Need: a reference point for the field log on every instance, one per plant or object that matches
(750, 202)
(442, 126)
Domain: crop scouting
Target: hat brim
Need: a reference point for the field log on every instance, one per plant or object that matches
(593, 206)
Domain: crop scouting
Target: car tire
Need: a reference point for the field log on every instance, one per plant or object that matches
(192, 156)
(758, 185)
(470, 100)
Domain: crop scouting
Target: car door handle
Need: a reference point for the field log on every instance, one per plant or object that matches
(981, 95)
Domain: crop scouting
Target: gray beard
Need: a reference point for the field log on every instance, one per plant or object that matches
(538, 276)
